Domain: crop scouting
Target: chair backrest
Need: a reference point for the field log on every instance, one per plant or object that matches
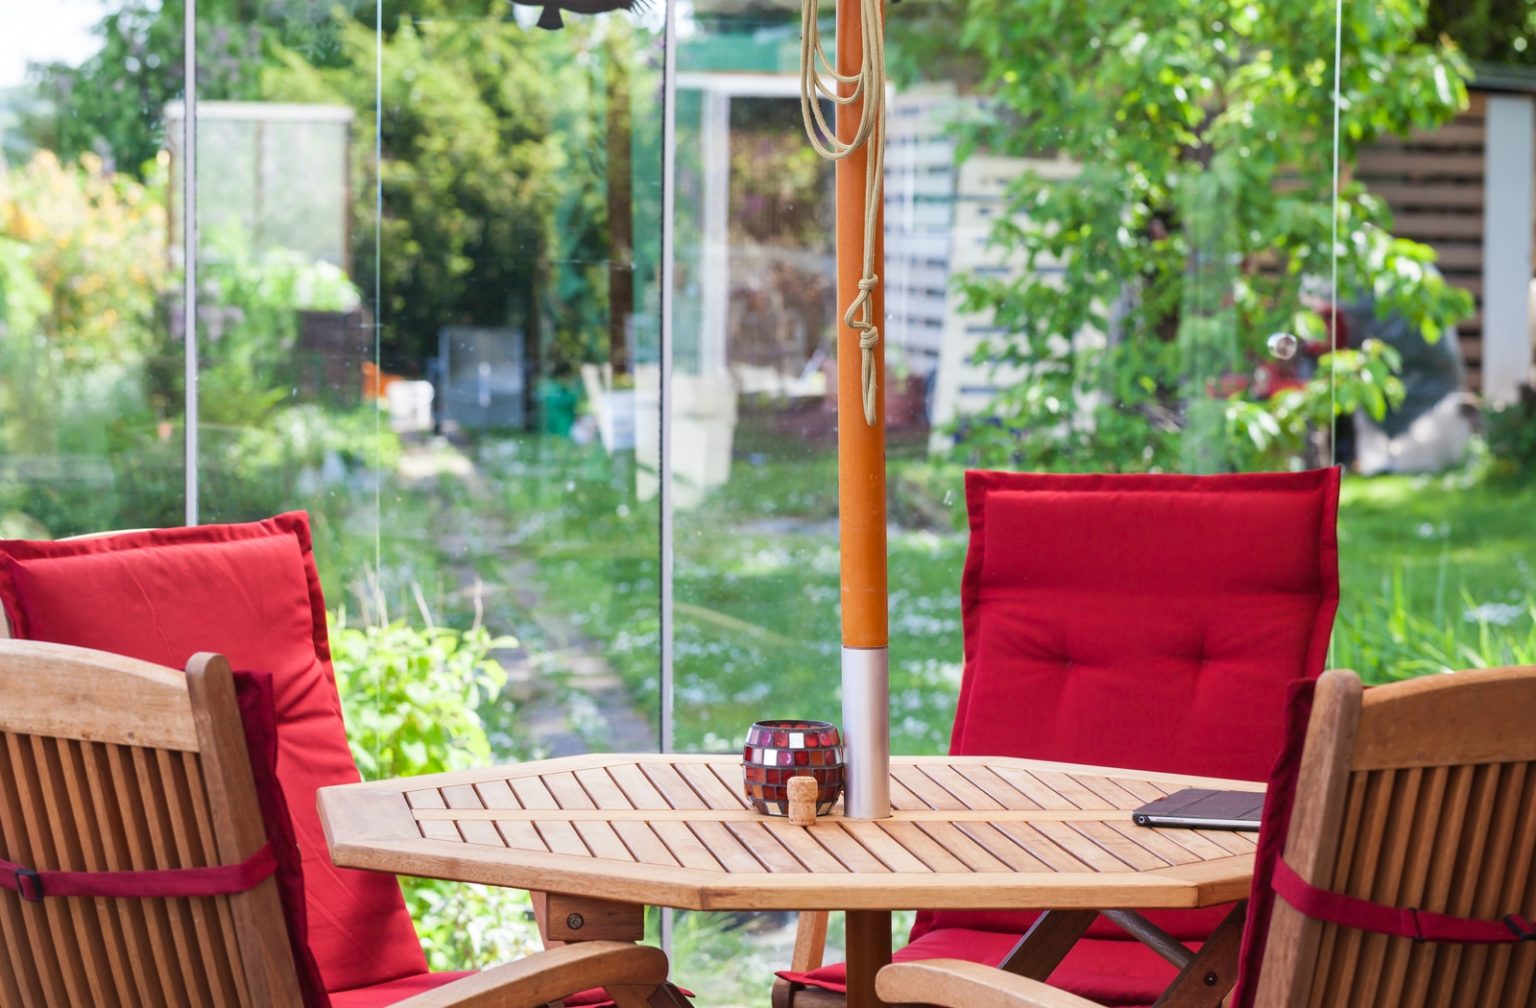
(1418, 794)
(113, 764)
(248, 591)
(1144, 621)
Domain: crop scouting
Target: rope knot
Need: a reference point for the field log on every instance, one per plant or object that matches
(870, 337)
(869, 283)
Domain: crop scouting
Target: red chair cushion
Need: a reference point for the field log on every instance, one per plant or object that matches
(251, 593)
(258, 717)
(1109, 972)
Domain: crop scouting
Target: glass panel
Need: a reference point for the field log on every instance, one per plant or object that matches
(1435, 553)
(90, 356)
(429, 316)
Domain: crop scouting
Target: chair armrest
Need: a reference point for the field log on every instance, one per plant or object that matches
(955, 983)
(553, 974)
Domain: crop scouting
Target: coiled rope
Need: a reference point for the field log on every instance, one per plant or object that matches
(819, 79)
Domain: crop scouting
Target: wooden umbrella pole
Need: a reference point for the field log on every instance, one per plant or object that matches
(861, 461)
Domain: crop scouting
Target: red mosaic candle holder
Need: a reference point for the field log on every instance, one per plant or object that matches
(778, 750)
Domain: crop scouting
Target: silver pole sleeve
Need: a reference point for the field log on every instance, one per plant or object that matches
(867, 733)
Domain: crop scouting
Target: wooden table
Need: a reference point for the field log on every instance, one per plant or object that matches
(602, 836)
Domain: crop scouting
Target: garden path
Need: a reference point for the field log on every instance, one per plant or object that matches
(564, 698)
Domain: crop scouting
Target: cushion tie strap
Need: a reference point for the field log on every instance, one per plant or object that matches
(1404, 922)
(164, 883)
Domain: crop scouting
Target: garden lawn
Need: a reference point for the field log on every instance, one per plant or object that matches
(1436, 573)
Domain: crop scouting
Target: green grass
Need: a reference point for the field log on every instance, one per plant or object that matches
(1435, 573)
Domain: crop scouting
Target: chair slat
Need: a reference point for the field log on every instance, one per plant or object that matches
(100, 795)
(1437, 812)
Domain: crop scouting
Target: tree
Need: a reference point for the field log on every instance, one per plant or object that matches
(1197, 215)
(1489, 31)
(493, 175)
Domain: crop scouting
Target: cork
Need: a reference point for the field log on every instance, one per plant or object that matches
(802, 801)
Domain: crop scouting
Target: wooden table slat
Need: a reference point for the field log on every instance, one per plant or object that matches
(1120, 845)
(1044, 849)
(799, 842)
(845, 846)
(954, 841)
(520, 834)
(999, 790)
(931, 794)
(1066, 837)
(1005, 848)
(568, 791)
(1195, 842)
(969, 795)
(440, 829)
(903, 800)
(1065, 785)
(734, 856)
(937, 856)
(533, 793)
(765, 846)
(496, 794)
(689, 851)
(677, 792)
(876, 838)
(425, 798)
(461, 796)
(1157, 841)
(1109, 791)
(603, 841)
(480, 831)
(710, 788)
(729, 775)
(637, 787)
(605, 791)
(561, 838)
(646, 846)
(1029, 784)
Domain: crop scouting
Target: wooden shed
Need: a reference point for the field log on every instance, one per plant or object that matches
(1468, 189)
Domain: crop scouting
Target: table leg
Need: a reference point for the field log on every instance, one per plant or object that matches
(1210, 974)
(1047, 943)
(868, 949)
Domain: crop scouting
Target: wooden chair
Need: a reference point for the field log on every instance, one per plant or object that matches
(1420, 794)
(1144, 621)
(111, 767)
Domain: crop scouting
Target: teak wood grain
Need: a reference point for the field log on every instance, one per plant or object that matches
(673, 830)
(670, 830)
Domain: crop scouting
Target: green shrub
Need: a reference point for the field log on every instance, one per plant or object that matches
(411, 697)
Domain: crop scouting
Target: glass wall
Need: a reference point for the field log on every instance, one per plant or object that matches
(91, 409)
(435, 289)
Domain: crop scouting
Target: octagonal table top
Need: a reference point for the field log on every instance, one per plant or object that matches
(675, 830)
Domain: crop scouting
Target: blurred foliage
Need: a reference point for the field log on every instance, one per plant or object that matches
(1191, 212)
(94, 240)
(493, 173)
(1489, 31)
(1510, 429)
